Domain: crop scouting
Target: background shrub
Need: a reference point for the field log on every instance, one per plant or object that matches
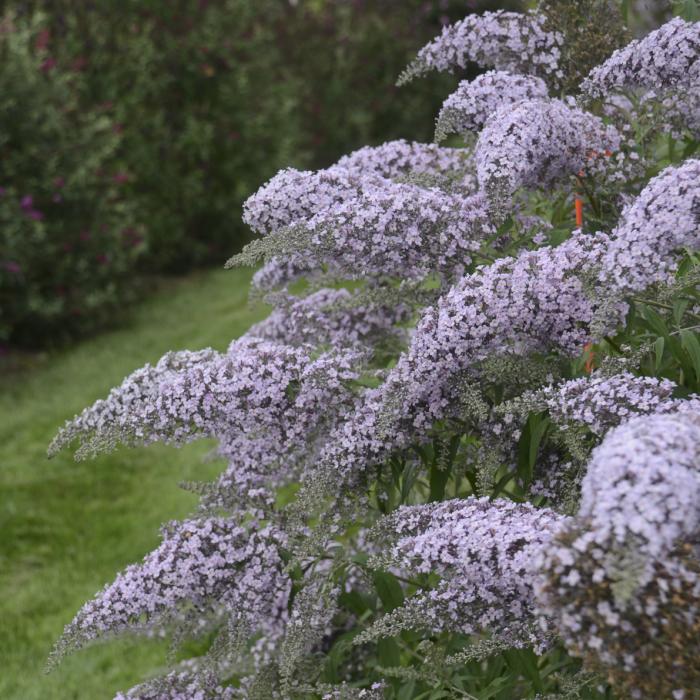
(69, 238)
(186, 105)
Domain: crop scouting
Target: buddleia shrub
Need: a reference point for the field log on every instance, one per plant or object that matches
(69, 237)
(461, 456)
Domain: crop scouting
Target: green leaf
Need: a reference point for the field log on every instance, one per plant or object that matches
(679, 307)
(524, 662)
(388, 653)
(438, 481)
(689, 340)
(388, 589)
(659, 344)
(354, 602)
(654, 321)
(529, 444)
(407, 690)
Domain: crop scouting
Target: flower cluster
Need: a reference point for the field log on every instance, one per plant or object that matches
(665, 58)
(482, 550)
(400, 159)
(331, 317)
(255, 386)
(180, 686)
(663, 219)
(602, 403)
(396, 230)
(642, 487)
(138, 389)
(537, 142)
(293, 196)
(622, 580)
(474, 102)
(485, 314)
(401, 231)
(205, 568)
(506, 41)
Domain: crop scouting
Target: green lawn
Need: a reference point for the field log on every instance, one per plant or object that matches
(68, 528)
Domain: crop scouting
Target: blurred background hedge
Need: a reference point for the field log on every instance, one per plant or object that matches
(131, 131)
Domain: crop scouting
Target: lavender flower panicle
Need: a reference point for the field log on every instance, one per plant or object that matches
(474, 102)
(602, 402)
(138, 389)
(664, 59)
(621, 581)
(209, 566)
(396, 160)
(535, 143)
(244, 391)
(664, 218)
(294, 196)
(181, 685)
(482, 549)
(508, 41)
(327, 317)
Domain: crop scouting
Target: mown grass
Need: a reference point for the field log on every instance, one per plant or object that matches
(67, 528)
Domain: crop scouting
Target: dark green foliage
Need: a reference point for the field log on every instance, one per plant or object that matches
(68, 239)
(164, 116)
(592, 30)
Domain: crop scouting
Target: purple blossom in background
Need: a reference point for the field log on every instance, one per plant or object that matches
(474, 102)
(508, 41)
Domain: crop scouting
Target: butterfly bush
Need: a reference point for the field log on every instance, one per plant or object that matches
(518, 43)
(460, 430)
(474, 102)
